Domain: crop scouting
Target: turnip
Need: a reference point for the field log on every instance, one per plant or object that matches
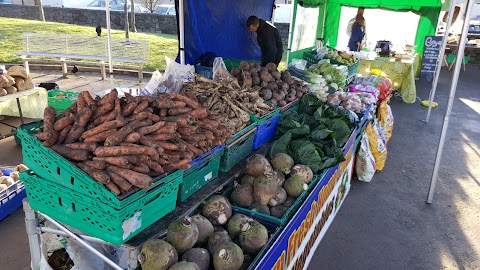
(279, 177)
(182, 233)
(253, 237)
(261, 208)
(200, 256)
(205, 228)
(264, 189)
(278, 211)
(236, 223)
(229, 256)
(303, 172)
(242, 195)
(157, 255)
(248, 179)
(218, 210)
(282, 162)
(217, 239)
(295, 186)
(258, 165)
(184, 266)
(278, 198)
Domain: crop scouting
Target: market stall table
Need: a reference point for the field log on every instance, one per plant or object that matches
(36, 99)
(401, 73)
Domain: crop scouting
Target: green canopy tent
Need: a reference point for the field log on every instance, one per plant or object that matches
(328, 20)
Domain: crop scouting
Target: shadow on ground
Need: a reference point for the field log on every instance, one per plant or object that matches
(386, 224)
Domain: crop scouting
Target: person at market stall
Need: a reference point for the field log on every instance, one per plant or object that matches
(268, 39)
(360, 11)
(358, 33)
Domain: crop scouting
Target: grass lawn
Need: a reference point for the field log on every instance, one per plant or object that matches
(161, 45)
(11, 30)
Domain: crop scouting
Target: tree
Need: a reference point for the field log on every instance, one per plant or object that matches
(133, 28)
(127, 28)
(150, 4)
(40, 6)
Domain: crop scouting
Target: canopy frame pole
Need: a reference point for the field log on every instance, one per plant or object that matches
(109, 37)
(324, 18)
(440, 59)
(451, 98)
(290, 29)
(181, 29)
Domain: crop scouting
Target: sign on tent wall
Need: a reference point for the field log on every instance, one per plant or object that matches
(305, 32)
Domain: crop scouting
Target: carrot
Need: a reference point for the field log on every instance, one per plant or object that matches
(108, 151)
(137, 179)
(184, 131)
(99, 165)
(82, 146)
(119, 181)
(63, 134)
(138, 116)
(153, 117)
(162, 161)
(132, 137)
(154, 166)
(194, 137)
(142, 158)
(191, 103)
(52, 140)
(73, 154)
(198, 113)
(202, 144)
(166, 130)
(150, 151)
(178, 111)
(113, 188)
(168, 146)
(74, 134)
(172, 154)
(187, 155)
(141, 107)
(144, 123)
(104, 109)
(191, 95)
(120, 161)
(63, 122)
(163, 112)
(94, 173)
(168, 103)
(81, 102)
(150, 129)
(103, 127)
(120, 135)
(100, 137)
(141, 168)
(48, 118)
(181, 164)
(170, 124)
(110, 97)
(129, 108)
(218, 142)
(88, 98)
(181, 120)
(84, 116)
(193, 149)
(43, 136)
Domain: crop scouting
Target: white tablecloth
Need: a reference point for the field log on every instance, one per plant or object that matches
(33, 102)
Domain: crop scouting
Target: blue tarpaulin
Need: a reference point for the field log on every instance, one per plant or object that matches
(219, 27)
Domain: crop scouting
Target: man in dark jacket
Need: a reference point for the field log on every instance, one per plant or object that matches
(268, 39)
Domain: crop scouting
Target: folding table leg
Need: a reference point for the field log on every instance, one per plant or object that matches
(64, 68)
(31, 224)
(20, 111)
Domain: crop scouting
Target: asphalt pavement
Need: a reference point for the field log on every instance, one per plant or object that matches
(385, 224)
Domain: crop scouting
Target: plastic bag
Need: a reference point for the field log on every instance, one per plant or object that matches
(364, 88)
(152, 85)
(385, 118)
(385, 87)
(367, 80)
(365, 161)
(186, 73)
(220, 72)
(377, 144)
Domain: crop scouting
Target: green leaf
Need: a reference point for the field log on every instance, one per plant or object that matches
(320, 134)
(329, 162)
(280, 145)
(304, 152)
(300, 132)
(341, 131)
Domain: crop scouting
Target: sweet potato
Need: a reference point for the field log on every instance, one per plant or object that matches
(119, 161)
(82, 146)
(43, 136)
(178, 111)
(104, 109)
(150, 129)
(140, 107)
(129, 108)
(141, 168)
(198, 113)
(137, 179)
(168, 103)
(95, 174)
(154, 166)
(100, 137)
(119, 181)
(63, 122)
(99, 165)
(81, 103)
(103, 127)
(191, 103)
(132, 137)
(84, 116)
(52, 140)
(48, 118)
(109, 151)
(63, 134)
(73, 154)
(120, 135)
(88, 98)
(163, 112)
(166, 130)
(74, 134)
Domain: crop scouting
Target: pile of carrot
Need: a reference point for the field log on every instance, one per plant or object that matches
(124, 142)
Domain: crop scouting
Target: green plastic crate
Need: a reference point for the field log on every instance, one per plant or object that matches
(30, 128)
(61, 104)
(237, 151)
(100, 220)
(241, 133)
(292, 106)
(265, 118)
(291, 211)
(47, 164)
(200, 174)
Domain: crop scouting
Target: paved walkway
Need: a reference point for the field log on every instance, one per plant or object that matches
(384, 224)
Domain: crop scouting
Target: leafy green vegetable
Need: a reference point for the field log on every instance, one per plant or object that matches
(320, 134)
(304, 152)
(280, 145)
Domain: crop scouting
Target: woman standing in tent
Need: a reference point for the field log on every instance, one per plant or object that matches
(358, 33)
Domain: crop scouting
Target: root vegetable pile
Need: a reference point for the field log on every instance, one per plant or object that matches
(229, 100)
(124, 142)
(279, 88)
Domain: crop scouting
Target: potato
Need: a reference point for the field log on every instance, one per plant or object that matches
(11, 89)
(20, 168)
(3, 92)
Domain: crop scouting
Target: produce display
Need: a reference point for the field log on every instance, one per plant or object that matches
(124, 142)
(15, 80)
(271, 187)
(232, 103)
(7, 181)
(384, 85)
(315, 135)
(342, 57)
(356, 102)
(278, 88)
(212, 239)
